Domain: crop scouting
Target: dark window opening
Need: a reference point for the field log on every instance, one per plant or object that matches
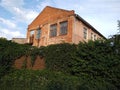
(95, 38)
(85, 33)
(53, 30)
(91, 36)
(38, 34)
(31, 36)
(63, 27)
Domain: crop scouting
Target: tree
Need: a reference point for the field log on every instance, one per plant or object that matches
(115, 39)
(2, 38)
(118, 26)
(117, 36)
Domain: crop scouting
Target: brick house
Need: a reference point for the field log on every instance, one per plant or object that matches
(55, 25)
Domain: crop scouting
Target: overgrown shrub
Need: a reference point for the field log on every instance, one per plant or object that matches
(38, 80)
(97, 59)
(9, 51)
(86, 66)
(51, 80)
(58, 57)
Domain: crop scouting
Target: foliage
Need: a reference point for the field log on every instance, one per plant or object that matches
(24, 65)
(38, 80)
(59, 56)
(98, 59)
(35, 52)
(50, 80)
(118, 26)
(2, 38)
(33, 55)
(9, 51)
(87, 66)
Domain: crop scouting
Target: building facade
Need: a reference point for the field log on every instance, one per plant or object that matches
(53, 26)
(19, 40)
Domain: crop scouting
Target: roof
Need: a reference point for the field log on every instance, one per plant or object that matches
(86, 23)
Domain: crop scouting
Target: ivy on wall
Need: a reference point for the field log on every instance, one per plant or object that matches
(93, 60)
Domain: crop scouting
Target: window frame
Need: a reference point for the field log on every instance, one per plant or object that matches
(95, 37)
(92, 36)
(63, 28)
(85, 33)
(32, 32)
(53, 30)
(38, 34)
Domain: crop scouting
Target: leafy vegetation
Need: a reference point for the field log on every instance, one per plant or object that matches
(98, 59)
(86, 66)
(9, 51)
(58, 57)
(50, 80)
(38, 80)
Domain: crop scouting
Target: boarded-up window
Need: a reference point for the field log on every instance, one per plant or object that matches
(53, 30)
(63, 27)
(85, 33)
(38, 34)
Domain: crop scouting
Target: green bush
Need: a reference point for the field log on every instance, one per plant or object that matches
(97, 59)
(86, 66)
(50, 80)
(9, 51)
(37, 80)
(58, 57)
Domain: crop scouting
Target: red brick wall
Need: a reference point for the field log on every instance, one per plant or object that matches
(77, 34)
(51, 16)
(47, 17)
(39, 63)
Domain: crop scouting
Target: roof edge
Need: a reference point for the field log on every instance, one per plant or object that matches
(86, 23)
(58, 8)
(52, 8)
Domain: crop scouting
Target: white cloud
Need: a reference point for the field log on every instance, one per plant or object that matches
(10, 34)
(24, 15)
(16, 8)
(12, 3)
(11, 27)
(45, 3)
(7, 23)
(102, 14)
(104, 26)
(8, 29)
(31, 15)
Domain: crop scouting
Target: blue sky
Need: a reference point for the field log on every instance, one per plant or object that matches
(16, 15)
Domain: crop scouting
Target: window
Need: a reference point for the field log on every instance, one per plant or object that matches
(94, 37)
(63, 27)
(91, 36)
(38, 34)
(85, 33)
(32, 33)
(31, 36)
(53, 30)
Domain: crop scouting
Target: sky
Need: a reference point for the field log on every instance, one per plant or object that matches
(16, 15)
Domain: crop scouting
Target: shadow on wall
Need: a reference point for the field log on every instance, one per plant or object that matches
(25, 62)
